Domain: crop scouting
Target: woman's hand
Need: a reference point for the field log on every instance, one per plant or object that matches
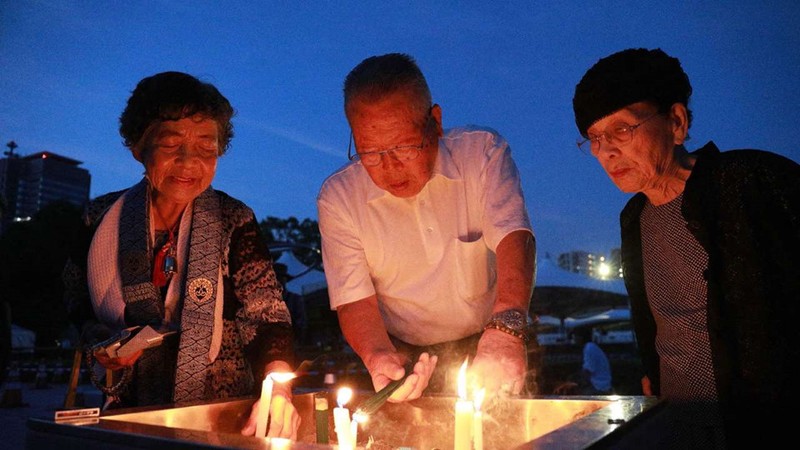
(108, 362)
(284, 420)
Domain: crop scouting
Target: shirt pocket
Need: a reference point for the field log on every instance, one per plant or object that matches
(475, 273)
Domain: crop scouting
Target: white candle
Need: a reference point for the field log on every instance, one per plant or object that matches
(477, 421)
(353, 432)
(341, 419)
(262, 417)
(358, 417)
(464, 411)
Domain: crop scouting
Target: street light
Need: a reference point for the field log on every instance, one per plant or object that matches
(603, 269)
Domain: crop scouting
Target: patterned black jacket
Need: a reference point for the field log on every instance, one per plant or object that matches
(256, 322)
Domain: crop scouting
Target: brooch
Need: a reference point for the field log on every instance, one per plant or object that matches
(200, 289)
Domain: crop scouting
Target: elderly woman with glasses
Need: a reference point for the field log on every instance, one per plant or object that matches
(710, 246)
(175, 256)
(427, 245)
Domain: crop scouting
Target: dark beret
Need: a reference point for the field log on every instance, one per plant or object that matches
(628, 77)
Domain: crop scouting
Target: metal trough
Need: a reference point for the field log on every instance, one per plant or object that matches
(424, 424)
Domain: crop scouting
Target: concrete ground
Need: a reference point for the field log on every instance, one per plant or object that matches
(22, 400)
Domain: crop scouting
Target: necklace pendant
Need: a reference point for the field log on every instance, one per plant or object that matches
(164, 265)
(169, 266)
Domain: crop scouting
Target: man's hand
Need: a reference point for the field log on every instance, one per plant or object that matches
(284, 419)
(372, 344)
(500, 364)
(386, 367)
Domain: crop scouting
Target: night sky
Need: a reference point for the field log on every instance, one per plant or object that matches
(67, 69)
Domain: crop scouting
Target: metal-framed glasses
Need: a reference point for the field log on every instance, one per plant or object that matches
(617, 133)
(371, 158)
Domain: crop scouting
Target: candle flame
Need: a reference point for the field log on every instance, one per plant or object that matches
(479, 399)
(360, 417)
(343, 396)
(462, 381)
(279, 443)
(282, 377)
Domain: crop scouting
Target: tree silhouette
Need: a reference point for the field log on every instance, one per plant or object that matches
(291, 230)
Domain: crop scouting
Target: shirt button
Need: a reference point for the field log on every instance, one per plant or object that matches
(430, 229)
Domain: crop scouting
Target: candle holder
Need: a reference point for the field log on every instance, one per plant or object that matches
(321, 416)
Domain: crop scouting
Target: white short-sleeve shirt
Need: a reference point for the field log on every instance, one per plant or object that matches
(429, 259)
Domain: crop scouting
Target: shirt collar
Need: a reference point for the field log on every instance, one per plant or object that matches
(443, 167)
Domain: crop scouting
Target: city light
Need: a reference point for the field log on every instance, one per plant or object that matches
(603, 269)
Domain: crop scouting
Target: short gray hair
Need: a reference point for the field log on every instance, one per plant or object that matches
(378, 76)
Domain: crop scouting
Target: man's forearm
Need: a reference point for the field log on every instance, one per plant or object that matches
(363, 328)
(516, 270)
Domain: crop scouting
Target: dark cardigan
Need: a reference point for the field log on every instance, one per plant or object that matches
(743, 207)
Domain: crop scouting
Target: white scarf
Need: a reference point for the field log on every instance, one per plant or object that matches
(105, 282)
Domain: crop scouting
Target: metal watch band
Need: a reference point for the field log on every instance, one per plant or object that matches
(510, 321)
(517, 334)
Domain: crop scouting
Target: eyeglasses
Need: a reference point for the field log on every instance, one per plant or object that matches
(372, 158)
(617, 133)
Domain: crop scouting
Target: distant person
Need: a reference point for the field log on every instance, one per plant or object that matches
(426, 240)
(710, 246)
(174, 253)
(594, 378)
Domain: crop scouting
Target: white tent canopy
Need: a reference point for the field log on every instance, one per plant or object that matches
(304, 279)
(548, 274)
(311, 281)
(612, 315)
(22, 339)
(548, 320)
(293, 265)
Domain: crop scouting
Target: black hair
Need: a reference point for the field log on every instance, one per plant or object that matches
(174, 96)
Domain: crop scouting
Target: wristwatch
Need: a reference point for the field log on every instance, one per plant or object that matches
(510, 321)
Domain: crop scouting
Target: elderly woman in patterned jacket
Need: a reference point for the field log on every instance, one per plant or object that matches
(174, 254)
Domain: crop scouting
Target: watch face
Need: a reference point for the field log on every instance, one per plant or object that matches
(512, 319)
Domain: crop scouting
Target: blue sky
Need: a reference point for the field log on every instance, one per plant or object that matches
(68, 67)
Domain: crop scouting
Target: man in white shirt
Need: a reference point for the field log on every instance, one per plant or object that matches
(426, 241)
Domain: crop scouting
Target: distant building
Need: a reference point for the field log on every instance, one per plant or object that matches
(29, 183)
(615, 261)
(578, 261)
(592, 264)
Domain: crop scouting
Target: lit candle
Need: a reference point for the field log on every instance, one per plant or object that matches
(341, 418)
(277, 443)
(358, 417)
(353, 432)
(477, 420)
(263, 406)
(464, 409)
(262, 416)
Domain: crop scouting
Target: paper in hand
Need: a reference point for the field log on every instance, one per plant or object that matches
(134, 339)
